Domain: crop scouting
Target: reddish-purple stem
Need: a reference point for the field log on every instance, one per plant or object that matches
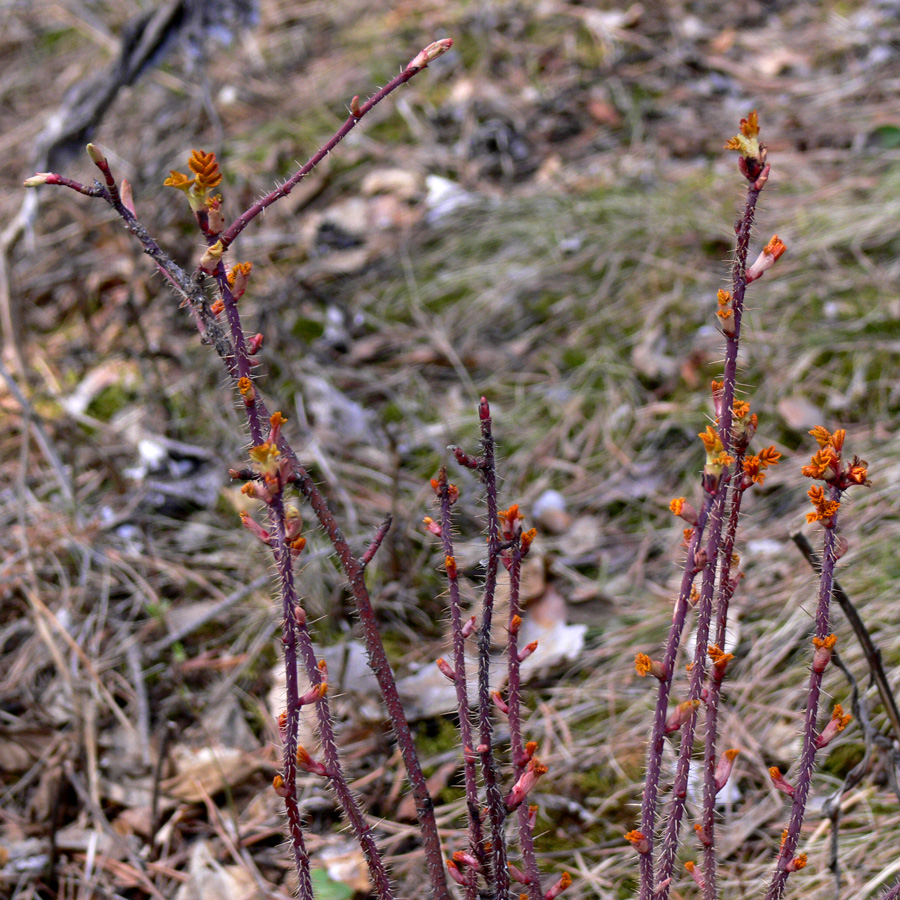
(336, 777)
(698, 671)
(743, 230)
(245, 218)
(493, 794)
(657, 741)
(377, 541)
(714, 690)
(237, 363)
(807, 756)
(476, 835)
(285, 569)
(517, 746)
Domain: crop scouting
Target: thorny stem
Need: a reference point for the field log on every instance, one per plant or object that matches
(242, 365)
(476, 836)
(698, 671)
(336, 776)
(657, 740)
(714, 690)
(246, 217)
(807, 756)
(285, 569)
(495, 804)
(743, 231)
(377, 541)
(381, 668)
(870, 651)
(514, 702)
(192, 291)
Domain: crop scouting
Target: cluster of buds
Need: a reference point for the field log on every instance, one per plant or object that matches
(644, 666)
(716, 459)
(754, 466)
(206, 207)
(785, 861)
(825, 508)
(725, 312)
(272, 472)
(638, 841)
(826, 464)
(720, 660)
(743, 425)
(512, 534)
(752, 162)
(463, 868)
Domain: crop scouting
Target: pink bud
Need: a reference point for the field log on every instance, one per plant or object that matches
(40, 178)
(835, 726)
(638, 841)
(308, 764)
(465, 859)
(517, 874)
(455, 874)
(527, 651)
(255, 528)
(696, 875)
(680, 715)
(210, 260)
(724, 768)
(700, 560)
(527, 780)
(565, 881)
(254, 344)
(469, 627)
(779, 783)
(446, 669)
(769, 256)
(127, 196)
(470, 462)
(500, 703)
(430, 53)
(824, 647)
(314, 694)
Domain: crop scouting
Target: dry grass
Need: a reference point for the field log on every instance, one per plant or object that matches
(575, 288)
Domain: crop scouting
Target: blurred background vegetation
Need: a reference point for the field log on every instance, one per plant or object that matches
(544, 216)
